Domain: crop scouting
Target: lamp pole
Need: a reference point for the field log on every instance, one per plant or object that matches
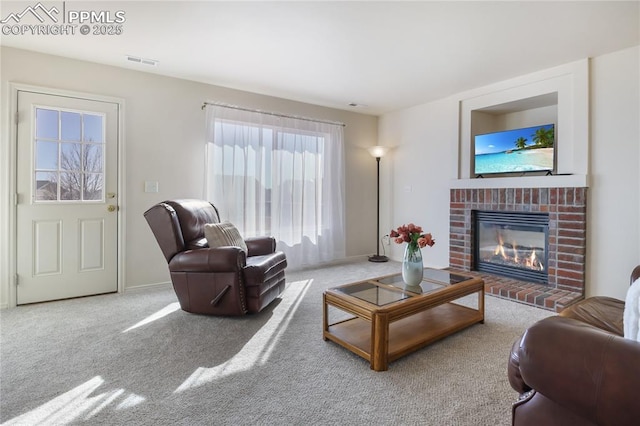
(378, 152)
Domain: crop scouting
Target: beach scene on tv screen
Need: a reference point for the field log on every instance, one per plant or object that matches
(520, 150)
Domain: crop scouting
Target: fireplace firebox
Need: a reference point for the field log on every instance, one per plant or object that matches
(512, 244)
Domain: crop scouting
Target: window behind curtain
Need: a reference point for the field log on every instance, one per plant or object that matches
(272, 175)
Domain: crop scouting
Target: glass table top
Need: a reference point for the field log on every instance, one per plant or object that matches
(372, 293)
(433, 279)
(444, 276)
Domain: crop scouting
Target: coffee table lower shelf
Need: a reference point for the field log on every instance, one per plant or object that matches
(407, 334)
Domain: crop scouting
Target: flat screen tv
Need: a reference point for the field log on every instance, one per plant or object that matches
(529, 149)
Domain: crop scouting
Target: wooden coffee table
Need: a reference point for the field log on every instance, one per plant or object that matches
(385, 321)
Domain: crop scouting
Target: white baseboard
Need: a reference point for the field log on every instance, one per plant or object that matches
(165, 284)
(349, 259)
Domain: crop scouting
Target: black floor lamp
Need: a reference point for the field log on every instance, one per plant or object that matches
(378, 152)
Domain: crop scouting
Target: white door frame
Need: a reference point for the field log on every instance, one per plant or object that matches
(9, 245)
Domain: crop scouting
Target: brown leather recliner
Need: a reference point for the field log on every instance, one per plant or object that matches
(215, 281)
(576, 368)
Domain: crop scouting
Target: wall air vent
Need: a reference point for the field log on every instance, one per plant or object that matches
(143, 61)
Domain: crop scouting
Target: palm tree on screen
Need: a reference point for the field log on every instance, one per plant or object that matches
(521, 142)
(544, 137)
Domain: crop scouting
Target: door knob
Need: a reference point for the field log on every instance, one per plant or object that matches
(112, 208)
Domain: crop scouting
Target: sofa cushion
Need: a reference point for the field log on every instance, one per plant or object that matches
(602, 312)
(224, 234)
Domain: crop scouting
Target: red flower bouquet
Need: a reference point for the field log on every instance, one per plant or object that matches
(413, 235)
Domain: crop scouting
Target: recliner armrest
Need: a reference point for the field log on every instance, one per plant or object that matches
(586, 370)
(221, 259)
(260, 246)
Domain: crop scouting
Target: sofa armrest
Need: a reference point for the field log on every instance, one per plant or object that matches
(221, 259)
(260, 246)
(586, 370)
(513, 369)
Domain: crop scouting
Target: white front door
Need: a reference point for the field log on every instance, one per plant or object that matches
(67, 211)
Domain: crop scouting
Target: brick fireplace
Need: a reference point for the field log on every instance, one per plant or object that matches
(566, 208)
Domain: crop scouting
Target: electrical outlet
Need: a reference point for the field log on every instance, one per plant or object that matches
(386, 240)
(150, 186)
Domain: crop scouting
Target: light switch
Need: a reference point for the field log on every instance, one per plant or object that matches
(150, 186)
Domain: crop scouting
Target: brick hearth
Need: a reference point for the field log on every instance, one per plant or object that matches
(566, 248)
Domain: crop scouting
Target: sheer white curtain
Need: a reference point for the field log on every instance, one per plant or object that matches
(279, 176)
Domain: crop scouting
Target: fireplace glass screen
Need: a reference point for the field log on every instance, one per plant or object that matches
(513, 244)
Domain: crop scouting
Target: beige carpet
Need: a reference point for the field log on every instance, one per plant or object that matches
(137, 359)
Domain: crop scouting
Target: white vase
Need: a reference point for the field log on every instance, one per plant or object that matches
(412, 267)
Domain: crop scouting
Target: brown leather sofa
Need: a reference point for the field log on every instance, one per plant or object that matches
(577, 369)
(215, 281)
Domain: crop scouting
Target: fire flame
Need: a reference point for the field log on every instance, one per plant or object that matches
(530, 261)
(500, 248)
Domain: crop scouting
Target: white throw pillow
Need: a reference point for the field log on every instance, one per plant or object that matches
(631, 316)
(224, 234)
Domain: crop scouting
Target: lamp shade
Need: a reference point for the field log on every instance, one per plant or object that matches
(377, 151)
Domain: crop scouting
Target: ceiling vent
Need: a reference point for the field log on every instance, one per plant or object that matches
(143, 61)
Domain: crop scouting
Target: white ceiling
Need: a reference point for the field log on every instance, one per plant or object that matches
(382, 55)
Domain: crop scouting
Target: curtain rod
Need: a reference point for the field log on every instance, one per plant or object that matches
(337, 123)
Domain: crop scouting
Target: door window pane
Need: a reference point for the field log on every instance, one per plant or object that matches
(70, 186)
(46, 155)
(70, 156)
(71, 126)
(92, 158)
(93, 128)
(93, 186)
(46, 186)
(46, 123)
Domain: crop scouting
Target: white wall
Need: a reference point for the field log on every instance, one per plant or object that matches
(529, 118)
(613, 230)
(417, 183)
(426, 138)
(164, 142)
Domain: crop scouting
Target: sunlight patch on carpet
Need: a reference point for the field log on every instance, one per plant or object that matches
(170, 308)
(75, 404)
(257, 350)
(105, 402)
(130, 401)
